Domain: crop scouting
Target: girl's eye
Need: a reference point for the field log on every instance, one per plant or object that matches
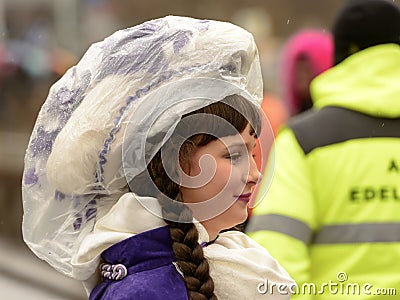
(234, 157)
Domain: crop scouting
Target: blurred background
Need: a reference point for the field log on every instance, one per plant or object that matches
(41, 39)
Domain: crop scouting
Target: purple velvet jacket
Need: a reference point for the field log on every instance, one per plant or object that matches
(151, 275)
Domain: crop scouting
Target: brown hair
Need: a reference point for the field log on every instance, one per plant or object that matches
(188, 252)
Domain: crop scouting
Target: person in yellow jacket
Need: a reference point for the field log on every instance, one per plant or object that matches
(331, 215)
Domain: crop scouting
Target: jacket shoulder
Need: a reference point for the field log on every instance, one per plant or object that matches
(332, 125)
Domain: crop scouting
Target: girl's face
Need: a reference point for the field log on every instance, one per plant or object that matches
(220, 179)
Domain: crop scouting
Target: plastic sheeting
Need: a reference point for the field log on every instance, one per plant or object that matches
(73, 165)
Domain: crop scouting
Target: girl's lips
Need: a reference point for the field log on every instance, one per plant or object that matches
(244, 197)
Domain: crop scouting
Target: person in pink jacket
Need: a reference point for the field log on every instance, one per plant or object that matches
(306, 54)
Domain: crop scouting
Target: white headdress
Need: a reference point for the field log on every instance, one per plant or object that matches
(73, 165)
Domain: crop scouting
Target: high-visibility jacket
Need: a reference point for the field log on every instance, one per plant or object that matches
(331, 216)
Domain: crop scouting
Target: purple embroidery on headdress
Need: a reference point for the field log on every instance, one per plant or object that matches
(146, 46)
(203, 25)
(150, 27)
(159, 63)
(230, 68)
(30, 177)
(78, 222)
(59, 196)
(90, 212)
(65, 96)
(91, 209)
(66, 101)
(43, 142)
(181, 39)
(133, 33)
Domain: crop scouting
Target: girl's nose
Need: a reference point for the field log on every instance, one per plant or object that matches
(254, 176)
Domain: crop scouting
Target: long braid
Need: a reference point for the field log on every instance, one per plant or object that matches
(188, 252)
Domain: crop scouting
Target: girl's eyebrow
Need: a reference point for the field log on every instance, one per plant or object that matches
(239, 144)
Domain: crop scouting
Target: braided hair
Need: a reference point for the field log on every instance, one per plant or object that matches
(188, 252)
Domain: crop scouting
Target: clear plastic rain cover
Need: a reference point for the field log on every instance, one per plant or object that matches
(146, 76)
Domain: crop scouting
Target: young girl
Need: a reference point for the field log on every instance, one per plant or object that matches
(141, 160)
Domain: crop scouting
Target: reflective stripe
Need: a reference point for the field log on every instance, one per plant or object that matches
(283, 224)
(358, 233)
(329, 234)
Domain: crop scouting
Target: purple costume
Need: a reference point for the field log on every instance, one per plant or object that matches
(148, 258)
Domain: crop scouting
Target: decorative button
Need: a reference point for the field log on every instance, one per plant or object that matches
(113, 272)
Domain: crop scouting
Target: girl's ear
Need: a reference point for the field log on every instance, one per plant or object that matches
(184, 171)
(185, 159)
(179, 197)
